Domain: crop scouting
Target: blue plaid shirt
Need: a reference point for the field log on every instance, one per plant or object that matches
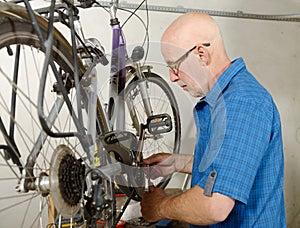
(239, 137)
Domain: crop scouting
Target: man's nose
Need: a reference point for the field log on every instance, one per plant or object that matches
(173, 77)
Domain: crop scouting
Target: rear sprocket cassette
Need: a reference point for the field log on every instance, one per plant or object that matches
(66, 181)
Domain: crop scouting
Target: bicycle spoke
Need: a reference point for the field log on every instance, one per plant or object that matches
(43, 207)
(18, 203)
(51, 165)
(30, 138)
(14, 86)
(17, 196)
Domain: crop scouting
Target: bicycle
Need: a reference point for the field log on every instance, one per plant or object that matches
(65, 149)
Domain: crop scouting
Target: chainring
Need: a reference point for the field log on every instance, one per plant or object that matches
(122, 145)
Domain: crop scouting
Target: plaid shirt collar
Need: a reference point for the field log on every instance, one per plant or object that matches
(223, 81)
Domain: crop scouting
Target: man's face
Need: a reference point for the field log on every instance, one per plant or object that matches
(187, 69)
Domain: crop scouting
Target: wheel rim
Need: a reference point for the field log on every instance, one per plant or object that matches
(31, 207)
(162, 101)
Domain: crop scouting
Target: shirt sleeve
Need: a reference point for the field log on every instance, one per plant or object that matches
(246, 138)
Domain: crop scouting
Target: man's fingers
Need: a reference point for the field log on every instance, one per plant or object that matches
(151, 160)
(151, 188)
(156, 158)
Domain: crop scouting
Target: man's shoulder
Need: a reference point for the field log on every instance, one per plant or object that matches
(244, 86)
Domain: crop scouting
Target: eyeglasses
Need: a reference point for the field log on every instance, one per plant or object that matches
(174, 67)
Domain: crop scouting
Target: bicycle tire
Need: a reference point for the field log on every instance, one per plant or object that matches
(163, 101)
(170, 99)
(33, 207)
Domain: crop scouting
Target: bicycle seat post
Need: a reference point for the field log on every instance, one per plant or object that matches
(114, 4)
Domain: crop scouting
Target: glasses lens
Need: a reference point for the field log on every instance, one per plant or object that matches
(174, 67)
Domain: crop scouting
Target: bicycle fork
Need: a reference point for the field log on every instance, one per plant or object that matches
(144, 92)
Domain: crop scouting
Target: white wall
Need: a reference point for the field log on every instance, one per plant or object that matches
(272, 53)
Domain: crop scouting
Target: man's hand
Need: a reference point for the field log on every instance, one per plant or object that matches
(164, 164)
(151, 202)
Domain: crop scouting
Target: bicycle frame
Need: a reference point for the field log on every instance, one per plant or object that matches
(116, 90)
(117, 85)
(118, 68)
(110, 119)
(118, 71)
(84, 138)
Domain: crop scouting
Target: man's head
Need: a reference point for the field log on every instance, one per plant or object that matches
(193, 49)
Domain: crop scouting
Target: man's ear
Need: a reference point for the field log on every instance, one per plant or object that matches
(203, 54)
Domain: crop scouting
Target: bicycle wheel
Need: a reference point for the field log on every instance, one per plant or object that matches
(162, 101)
(53, 185)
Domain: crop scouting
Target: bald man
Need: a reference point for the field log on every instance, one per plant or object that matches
(237, 166)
